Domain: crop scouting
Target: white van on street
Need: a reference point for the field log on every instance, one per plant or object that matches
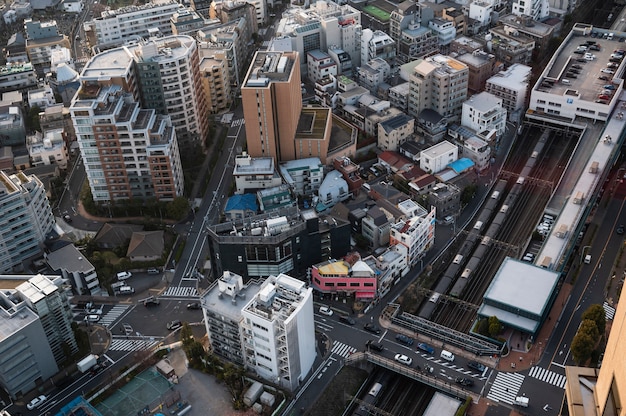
(447, 355)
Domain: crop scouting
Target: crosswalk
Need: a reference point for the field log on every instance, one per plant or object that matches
(181, 292)
(122, 344)
(342, 350)
(548, 376)
(505, 387)
(112, 315)
(609, 311)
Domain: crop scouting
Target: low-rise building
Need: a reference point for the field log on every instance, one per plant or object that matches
(253, 174)
(511, 85)
(436, 158)
(347, 277)
(446, 199)
(334, 189)
(484, 112)
(241, 206)
(375, 227)
(350, 173)
(395, 131)
(416, 232)
(372, 74)
(510, 46)
(481, 66)
(48, 148)
(478, 151)
(320, 65)
(17, 76)
(304, 176)
(74, 267)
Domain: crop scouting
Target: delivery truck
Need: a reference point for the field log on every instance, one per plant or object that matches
(86, 363)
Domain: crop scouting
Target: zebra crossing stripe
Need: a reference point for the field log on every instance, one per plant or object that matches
(505, 387)
(548, 376)
(113, 314)
(181, 291)
(131, 344)
(609, 311)
(342, 349)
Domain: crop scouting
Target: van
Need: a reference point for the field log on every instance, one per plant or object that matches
(565, 81)
(448, 220)
(153, 270)
(610, 37)
(126, 290)
(588, 259)
(124, 275)
(447, 355)
(366, 186)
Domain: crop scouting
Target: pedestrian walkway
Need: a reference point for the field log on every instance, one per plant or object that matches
(112, 315)
(138, 344)
(180, 292)
(609, 311)
(505, 387)
(342, 349)
(548, 376)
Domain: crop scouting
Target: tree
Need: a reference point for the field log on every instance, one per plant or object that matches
(494, 326)
(468, 193)
(32, 121)
(582, 346)
(178, 208)
(589, 327)
(596, 313)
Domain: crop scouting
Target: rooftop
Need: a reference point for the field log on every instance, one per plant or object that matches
(70, 259)
(268, 66)
(227, 295)
(484, 102)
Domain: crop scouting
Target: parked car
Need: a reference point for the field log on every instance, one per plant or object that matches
(404, 339)
(426, 348)
(36, 402)
(607, 71)
(603, 97)
(67, 218)
(194, 305)
(401, 358)
(612, 65)
(376, 346)
(124, 275)
(174, 325)
(371, 328)
(464, 381)
(346, 320)
(529, 257)
(325, 310)
(153, 270)
(609, 87)
(475, 365)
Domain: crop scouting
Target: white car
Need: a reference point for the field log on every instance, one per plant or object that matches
(607, 71)
(325, 310)
(124, 275)
(36, 402)
(401, 358)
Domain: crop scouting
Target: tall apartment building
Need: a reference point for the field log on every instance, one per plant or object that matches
(279, 332)
(115, 27)
(26, 358)
(162, 74)
(416, 234)
(25, 219)
(216, 83)
(48, 299)
(536, 9)
(266, 326)
(229, 11)
(272, 103)
(128, 152)
(438, 83)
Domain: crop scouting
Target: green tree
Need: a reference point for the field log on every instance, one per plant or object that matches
(589, 327)
(483, 327)
(468, 193)
(596, 313)
(582, 346)
(494, 326)
(178, 208)
(32, 121)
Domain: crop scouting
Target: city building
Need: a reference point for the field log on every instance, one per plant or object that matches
(288, 240)
(272, 87)
(478, 151)
(373, 73)
(272, 199)
(481, 12)
(437, 157)
(350, 173)
(162, 74)
(511, 85)
(304, 176)
(389, 267)
(445, 198)
(12, 125)
(416, 233)
(398, 96)
(229, 11)
(408, 28)
(75, 268)
(47, 148)
(535, 9)
(17, 77)
(430, 125)
(376, 44)
(42, 38)
(438, 83)
(186, 21)
(540, 32)
(334, 189)
(41, 97)
(320, 65)
(509, 45)
(484, 112)
(351, 276)
(216, 81)
(443, 30)
(240, 206)
(47, 297)
(25, 219)
(279, 332)
(27, 360)
(252, 174)
(481, 66)
(375, 227)
(128, 152)
(395, 131)
(131, 23)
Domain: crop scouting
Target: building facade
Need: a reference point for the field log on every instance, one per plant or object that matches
(252, 174)
(416, 233)
(436, 158)
(73, 266)
(343, 277)
(484, 112)
(25, 219)
(511, 85)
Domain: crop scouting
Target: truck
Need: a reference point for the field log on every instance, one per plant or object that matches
(86, 363)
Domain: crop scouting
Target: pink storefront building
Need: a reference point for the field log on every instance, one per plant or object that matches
(342, 277)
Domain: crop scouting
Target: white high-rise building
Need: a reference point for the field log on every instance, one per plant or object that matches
(115, 27)
(416, 234)
(25, 219)
(279, 332)
(537, 9)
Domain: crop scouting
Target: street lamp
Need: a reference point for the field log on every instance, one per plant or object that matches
(582, 255)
